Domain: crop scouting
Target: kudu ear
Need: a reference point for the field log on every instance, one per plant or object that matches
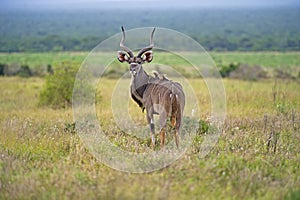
(147, 56)
(122, 56)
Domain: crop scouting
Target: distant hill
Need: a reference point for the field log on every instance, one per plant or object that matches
(220, 29)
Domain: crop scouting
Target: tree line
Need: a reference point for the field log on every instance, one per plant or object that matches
(215, 29)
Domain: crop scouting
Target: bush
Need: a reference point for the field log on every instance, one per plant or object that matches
(203, 127)
(24, 71)
(49, 69)
(282, 74)
(246, 72)
(58, 89)
(11, 70)
(2, 67)
(226, 70)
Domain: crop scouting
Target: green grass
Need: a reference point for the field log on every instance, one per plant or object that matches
(257, 156)
(265, 59)
(41, 59)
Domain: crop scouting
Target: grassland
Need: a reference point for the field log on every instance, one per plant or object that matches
(256, 157)
(264, 59)
(40, 59)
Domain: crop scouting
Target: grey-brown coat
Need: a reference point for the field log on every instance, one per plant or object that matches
(157, 95)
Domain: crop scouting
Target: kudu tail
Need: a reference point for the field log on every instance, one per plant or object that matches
(175, 107)
(176, 113)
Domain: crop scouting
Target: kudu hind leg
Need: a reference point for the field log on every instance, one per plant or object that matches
(150, 120)
(163, 124)
(162, 137)
(176, 125)
(176, 121)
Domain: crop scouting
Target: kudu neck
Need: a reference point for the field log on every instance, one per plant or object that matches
(141, 78)
(140, 82)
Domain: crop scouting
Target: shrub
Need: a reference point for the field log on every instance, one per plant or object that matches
(11, 70)
(24, 71)
(15, 70)
(203, 127)
(2, 67)
(282, 74)
(49, 69)
(58, 89)
(41, 70)
(247, 72)
(226, 70)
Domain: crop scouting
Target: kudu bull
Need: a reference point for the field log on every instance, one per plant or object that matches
(158, 95)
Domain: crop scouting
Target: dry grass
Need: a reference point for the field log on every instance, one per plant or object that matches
(257, 157)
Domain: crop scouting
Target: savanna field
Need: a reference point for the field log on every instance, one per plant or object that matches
(256, 156)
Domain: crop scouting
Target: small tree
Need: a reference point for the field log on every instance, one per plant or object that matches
(2, 68)
(57, 91)
(24, 71)
(226, 70)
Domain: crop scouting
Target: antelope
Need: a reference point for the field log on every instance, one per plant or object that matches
(157, 95)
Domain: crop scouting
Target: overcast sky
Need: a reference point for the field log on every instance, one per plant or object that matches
(33, 4)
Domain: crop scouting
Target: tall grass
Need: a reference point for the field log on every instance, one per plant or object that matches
(256, 157)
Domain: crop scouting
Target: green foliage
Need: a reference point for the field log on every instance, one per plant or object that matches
(24, 71)
(226, 70)
(244, 30)
(2, 66)
(58, 89)
(203, 127)
(294, 195)
(49, 69)
(70, 127)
